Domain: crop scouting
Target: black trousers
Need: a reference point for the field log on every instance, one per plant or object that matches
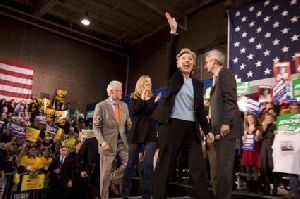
(176, 135)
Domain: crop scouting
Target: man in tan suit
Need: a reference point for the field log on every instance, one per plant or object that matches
(111, 117)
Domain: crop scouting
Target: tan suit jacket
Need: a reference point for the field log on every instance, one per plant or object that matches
(106, 127)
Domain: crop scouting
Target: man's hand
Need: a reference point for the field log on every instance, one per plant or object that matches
(172, 23)
(210, 138)
(225, 129)
(83, 174)
(105, 146)
(57, 171)
(69, 184)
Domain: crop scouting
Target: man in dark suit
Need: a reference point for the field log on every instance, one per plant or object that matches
(61, 171)
(181, 113)
(87, 161)
(225, 120)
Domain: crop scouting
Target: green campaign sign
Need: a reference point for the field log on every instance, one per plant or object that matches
(289, 123)
(296, 88)
(243, 88)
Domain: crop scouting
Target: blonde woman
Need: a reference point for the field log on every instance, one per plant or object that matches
(143, 131)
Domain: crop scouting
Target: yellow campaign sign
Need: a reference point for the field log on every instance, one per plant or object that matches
(60, 117)
(70, 143)
(30, 183)
(59, 134)
(50, 113)
(32, 134)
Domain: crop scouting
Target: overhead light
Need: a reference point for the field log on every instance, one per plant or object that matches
(85, 21)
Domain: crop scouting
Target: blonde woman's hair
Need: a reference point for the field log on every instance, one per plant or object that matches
(187, 51)
(140, 87)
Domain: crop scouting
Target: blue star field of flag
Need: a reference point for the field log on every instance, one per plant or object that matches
(261, 33)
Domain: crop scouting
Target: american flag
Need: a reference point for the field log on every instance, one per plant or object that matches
(15, 81)
(261, 33)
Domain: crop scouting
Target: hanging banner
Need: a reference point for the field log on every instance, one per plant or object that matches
(288, 123)
(248, 145)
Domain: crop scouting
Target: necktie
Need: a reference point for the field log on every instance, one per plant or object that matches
(117, 112)
(61, 161)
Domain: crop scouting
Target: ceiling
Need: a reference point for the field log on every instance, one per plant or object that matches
(115, 24)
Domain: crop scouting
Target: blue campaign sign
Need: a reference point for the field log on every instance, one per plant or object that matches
(248, 145)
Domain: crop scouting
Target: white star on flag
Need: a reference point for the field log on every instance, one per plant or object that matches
(294, 19)
(267, 18)
(250, 56)
(268, 35)
(267, 52)
(258, 14)
(276, 60)
(244, 34)
(243, 50)
(242, 66)
(285, 30)
(235, 60)
(258, 64)
(237, 29)
(285, 49)
(259, 46)
(250, 74)
(293, 2)
(284, 13)
(295, 37)
(244, 19)
(251, 40)
(275, 7)
(236, 44)
(258, 30)
(266, 2)
(276, 24)
(267, 71)
(251, 24)
(238, 13)
(276, 42)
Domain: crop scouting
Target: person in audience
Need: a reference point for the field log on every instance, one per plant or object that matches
(61, 171)
(180, 114)
(111, 117)
(250, 158)
(267, 135)
(294, 181)
(143, 131)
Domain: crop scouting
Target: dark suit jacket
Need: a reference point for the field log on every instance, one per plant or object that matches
(224, 108)
(66, 172)
(143, 126)
(87, 158)
(163, 111)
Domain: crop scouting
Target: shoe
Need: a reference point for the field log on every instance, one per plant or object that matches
(115, 189)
